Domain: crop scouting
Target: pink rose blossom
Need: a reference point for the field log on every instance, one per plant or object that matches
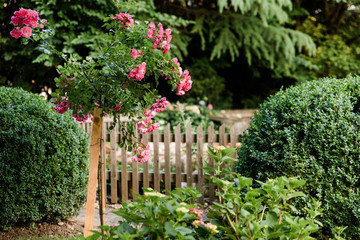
(141, 154)
(15, 33)
(179, 69)
(139, 72)
(16, 21)
(21, 13)
(134, 53)
(61, 107)
(83, 118)
(149, 113)
(125, 19)
(146, 126)
(160, 105)
(33, 23)
(151, 31)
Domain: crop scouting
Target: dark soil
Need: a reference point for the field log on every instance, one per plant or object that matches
(70, 228)
(63, 229)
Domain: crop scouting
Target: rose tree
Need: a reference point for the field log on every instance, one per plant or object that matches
(117, 81)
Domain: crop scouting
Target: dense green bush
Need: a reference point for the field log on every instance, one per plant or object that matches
(312, 131)
(43, 160)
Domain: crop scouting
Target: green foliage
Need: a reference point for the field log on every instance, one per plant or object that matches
(337, 55)
(43, 168)
(257, 31)
(312, 131)
(257, 213)
(242, 212)
(208, 83)
(146, 11)
(73, 36)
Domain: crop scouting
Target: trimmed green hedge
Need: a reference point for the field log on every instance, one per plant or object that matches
(313, 131)
(44, 160)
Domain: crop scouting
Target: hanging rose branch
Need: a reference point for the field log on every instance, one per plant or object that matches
(116, 81)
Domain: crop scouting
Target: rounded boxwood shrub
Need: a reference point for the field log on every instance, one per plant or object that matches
(44, 160)
(312, 131)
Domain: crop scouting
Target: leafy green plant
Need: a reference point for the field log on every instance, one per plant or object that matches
(43, 167)
(242, 211)
(312, 131)
(154, 216)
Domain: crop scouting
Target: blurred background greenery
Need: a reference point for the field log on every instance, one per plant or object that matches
(238, 52)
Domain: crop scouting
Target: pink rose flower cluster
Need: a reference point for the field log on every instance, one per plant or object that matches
(117, 108)
(125, 19)
(158, 37)
(199, 214)
(185, 82)
(80, 116)
(61, 107)
(147, 126)
(139, 72)
(142, 153)
(25, 20)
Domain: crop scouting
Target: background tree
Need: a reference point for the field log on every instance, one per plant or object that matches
(335, 28)
(255, 41)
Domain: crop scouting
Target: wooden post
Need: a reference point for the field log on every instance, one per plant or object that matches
(93, 171)
(156, 161)
(167, 159)
(114, 192)
(177, 155)
(200, 145)
(189, 140)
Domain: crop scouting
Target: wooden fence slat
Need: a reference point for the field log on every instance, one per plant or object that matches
(233, 139)
(113, 162)
(222, 141)
(156, 161)
(189, 169)
(89, 131)
(167, 159)
(178, 155)
(124, 181)
(200, 145)
(146, 165)
(211, 137)
(135, 175)
(222, 135)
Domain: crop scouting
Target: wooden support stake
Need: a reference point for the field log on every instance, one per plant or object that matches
(102, 179)
(93, 171)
